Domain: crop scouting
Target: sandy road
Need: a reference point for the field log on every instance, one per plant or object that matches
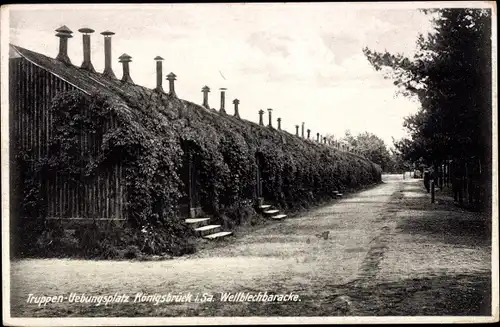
(376, 259)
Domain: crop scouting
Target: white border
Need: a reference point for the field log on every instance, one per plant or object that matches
(4, 27)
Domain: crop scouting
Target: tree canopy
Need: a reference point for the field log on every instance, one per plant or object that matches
(451, 76)
(374, 148)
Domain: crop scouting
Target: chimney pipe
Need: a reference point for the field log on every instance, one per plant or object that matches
(302, 130)
(64, 33)
(236, 102)
(205, 91)
(87, 62)
(308, 133)
(297, 130)
(270, 112)
(222, 100)
(125, 59)
(324, 140)
(171, 87)
(108, 71)
(159, 73)
(317, 137)
(261, 113)
(279, 123)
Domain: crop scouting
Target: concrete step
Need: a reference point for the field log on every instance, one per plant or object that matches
(265, 206)
(218, 235)
(338, 195)
(196, 220)
(208, 229)
(279, 217)
(271, 212)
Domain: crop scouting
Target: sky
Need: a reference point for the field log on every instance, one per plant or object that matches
(304, 61)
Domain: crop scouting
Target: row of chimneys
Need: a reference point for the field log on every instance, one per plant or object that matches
(319, 138)
(64, 33)
(205, 90)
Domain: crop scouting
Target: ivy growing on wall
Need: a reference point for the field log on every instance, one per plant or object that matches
(149, 135)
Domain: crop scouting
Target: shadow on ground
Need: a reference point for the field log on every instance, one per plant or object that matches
(448, 229)
(443, 221)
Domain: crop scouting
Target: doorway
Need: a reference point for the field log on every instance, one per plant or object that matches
(189, 203)
(259, 185)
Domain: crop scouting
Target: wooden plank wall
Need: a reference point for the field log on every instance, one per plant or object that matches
(32, 90)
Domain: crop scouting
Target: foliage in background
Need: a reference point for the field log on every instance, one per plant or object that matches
(451, 77)
(151, 134)
(371, 147)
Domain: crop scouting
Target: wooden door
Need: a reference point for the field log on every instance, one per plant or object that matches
(259, 179)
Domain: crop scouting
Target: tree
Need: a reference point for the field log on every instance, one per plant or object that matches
(451, 76)
(372, 147)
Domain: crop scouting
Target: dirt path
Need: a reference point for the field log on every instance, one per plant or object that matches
(388, 252)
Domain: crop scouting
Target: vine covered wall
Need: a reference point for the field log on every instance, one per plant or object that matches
(148, 139)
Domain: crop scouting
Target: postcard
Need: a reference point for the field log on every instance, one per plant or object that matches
(249, 163)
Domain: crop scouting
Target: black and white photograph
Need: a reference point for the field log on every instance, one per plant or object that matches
(249, 163)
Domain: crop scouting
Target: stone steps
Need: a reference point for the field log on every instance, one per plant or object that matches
(208, 229)
(203, 229)
(337, 194)
(218, 235)
(269, 211)
(196, 220)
